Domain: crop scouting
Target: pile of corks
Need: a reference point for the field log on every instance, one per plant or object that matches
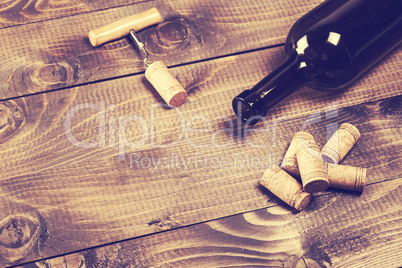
(318, 169)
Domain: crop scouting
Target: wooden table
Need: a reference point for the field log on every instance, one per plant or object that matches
(95, 172)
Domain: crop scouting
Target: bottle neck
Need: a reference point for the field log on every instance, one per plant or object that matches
(251, 105)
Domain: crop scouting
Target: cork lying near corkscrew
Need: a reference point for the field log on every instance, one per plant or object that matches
(156, 73)
(166, 84)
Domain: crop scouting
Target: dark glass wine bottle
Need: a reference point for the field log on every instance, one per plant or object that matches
(328, 48)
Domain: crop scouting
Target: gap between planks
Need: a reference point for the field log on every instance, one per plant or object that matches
(142, 72)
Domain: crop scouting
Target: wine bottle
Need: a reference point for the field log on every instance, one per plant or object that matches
(327, 48)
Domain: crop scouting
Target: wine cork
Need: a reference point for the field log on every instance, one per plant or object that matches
(166, 84)
(285, 187)
(289, 162)
(121, 28)
(312, 168)
(346, 177)
(340, 143)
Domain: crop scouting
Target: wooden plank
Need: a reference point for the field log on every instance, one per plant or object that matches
(55, 54)
(336, 230)
(78, 197)
(19, 12)
(211, 87)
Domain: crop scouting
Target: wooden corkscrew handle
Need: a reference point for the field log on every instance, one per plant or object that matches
(121, 28)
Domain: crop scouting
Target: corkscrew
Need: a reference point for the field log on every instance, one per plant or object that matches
(156, 73)
(141, 46)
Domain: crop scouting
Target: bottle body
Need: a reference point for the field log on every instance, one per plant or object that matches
(328, 48)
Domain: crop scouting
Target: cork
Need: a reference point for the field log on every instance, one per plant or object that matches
(285, 187)
(166, 84)
(346, 177)
(340, 143)
(121, 28)
(312, 168)
(289, 162)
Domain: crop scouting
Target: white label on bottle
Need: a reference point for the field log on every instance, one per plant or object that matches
(334, 38)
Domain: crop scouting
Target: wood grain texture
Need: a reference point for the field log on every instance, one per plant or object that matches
(340, 229)
(55, 54)
(19, 12)
(103, 162)
(84, 195)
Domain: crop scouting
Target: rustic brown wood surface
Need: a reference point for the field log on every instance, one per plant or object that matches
(339, 229)
(90, 156)
(19, 12)
(48, 55)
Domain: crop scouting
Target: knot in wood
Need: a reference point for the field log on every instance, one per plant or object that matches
(40, 76)
(173, 33)
(392, 106)
(174, 36)
(12, 118)
(48, 75)
(20, 235)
